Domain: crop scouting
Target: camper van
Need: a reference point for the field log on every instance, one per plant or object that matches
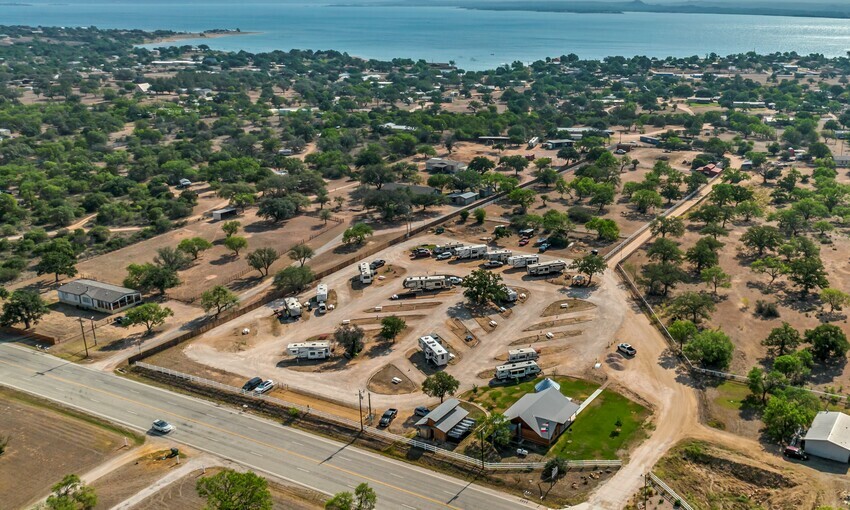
(448, 247)
(434, 351)
(471, 252)
(322, 293)
(427, 282)
(516, 355)
(293, 307)
(309, 350)
(547, 268)
(365, 273)
(517, 370)
(500, 255)
(523, 260)
(510, 295)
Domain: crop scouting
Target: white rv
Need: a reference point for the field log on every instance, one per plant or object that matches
(471, 252)
(309, 350)
(433, 351)
(546, 268)
(322, 293)
(510, 294)
(365, 273)
(523, 260)
(427, 282)
(517, 370)
(293, 307)
(528, 353)
(448, 247)
(500, 255)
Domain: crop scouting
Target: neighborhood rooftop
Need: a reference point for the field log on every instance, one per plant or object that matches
(96, 290)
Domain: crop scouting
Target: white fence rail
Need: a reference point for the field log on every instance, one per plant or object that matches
(374, 431)
(670, 492)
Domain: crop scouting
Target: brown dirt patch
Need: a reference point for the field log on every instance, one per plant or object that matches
(389, 273)
(559, 322)
(484, 322)
(46, 445)
(381, 382)
(377, 320)
(406, 307)
(573, 306)
(542, 351)
(129, 479)
(182, 494)
(535, 339)
(460, 330)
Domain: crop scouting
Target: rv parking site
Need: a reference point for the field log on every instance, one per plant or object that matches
(582, 334)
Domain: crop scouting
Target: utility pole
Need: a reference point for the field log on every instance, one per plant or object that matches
(481, 444)
(83, 331)
(360, 402)
(369, 416)
(93, 331)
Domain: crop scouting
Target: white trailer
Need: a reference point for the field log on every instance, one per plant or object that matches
(510, 294)
(366, 273)
(434, 351)
(293, 307)
(448, 247)
(516, 355)
(500, 255)
(517, 370)
(546, 268)
(309, 350)
(427, 282)
(472, 252)
(523, 260)
(321, 293)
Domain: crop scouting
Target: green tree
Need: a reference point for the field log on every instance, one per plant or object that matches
(230, 227)
(808, 273)
(149, 314)
(291, 280)
(522, 197)
(483, 286)
(172, 259)
(783, 339)
(788, 411)
(664, 250)
(231, 490)
(440, 385)
(682, 331)
(194, 246)
(23, 306)
(480, 214)
(762, 238)
(835, 298)
(716, 277)
(301, 253)
(391, 327)
(57, 258)
(770, 266)
(357, 233)
(692, 305)
(667, 225)
(262, 259)
(350, 337)
(710, 348)
(340, 501)
(497, 428)
(148, 277)
(646, 199)
(704, 253)
(364, 497)
(606, 230)
(219, 298)
(71, 494)
(589, 265)
(762, 383)
(795, 367)
(235, 244)
(481, 164)
(828, 342)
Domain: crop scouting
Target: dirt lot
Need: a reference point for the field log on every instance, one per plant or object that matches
(129, 479)
(182, 494)
(47, 444)
(381, 382)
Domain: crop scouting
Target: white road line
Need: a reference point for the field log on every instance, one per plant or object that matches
(252, 428)
(450, 493)
(343, 458)
(397, 476)
(254, 453)
(408, 506)
(296, 442)
(302, 469)
(131, 412)
(93, 400)
(133, 391)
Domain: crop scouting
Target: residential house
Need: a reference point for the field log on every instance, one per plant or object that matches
(447, 421)
(541, 417)
(444, 166)
(94, 295)
(842, 161)
(462, 198)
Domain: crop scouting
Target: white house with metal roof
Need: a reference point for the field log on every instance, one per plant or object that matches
(94, 295)
(829, 436)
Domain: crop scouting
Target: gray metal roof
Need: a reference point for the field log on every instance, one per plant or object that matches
(96, 290)
(445, 416)
(831, 426)
(542, 411)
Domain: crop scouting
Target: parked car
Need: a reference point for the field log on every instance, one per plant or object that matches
(121, 320)
(162, 426)
(455, 280)
(421, 411)
(523, 241)
(620, 151)
(493, 263)
(388, 416)
(543, 247)
(795, 452)
(421, 253)
(252, 383)
(445, 255)
(627, 349)
(377, 263)
(323, 307)
(264, 387)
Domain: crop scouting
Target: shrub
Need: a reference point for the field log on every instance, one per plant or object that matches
(767, 309)
(558, 462)
(579, 214)
(464, 215)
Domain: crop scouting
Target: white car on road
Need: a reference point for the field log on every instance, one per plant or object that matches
(162, 426)
(264, 386)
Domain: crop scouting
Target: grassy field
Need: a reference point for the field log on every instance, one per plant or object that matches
(595, 434)
(731, 395)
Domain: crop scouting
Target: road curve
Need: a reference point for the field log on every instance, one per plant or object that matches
(299, 457)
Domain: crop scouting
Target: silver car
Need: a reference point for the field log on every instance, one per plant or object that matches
(162, 426)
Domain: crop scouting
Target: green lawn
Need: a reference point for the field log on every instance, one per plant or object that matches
(593, 435)
(731, 395)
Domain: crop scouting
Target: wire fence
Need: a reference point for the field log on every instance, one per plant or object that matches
(658, 482)
(372, 431)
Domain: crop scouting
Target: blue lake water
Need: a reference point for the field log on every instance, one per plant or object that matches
(473, 39)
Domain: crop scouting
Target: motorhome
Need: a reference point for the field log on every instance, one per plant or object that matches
(427, 282)
(523, 260)
(546, 268)
(500, 255)
(322, 293)
(510, 294)
(365, 273)
(471, 252)
(293, 307)
(450, 247)
(309, 350)
(434, 351)
(517, 370)
(516, 355)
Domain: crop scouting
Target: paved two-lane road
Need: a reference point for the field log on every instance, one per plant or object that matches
(308, 460)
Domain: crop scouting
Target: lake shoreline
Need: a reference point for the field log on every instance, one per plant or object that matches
(182, 36)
